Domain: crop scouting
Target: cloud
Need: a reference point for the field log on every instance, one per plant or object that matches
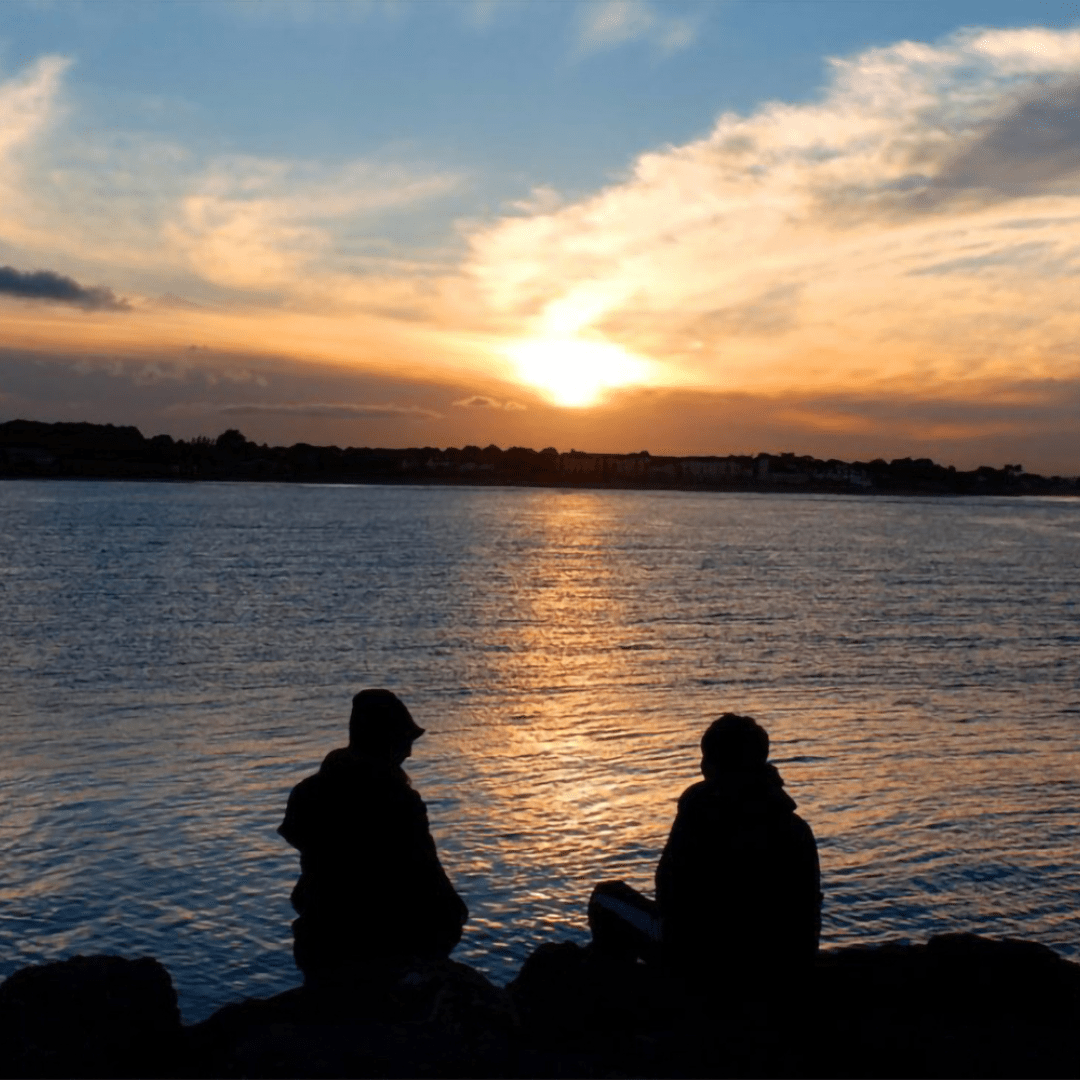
(885, 234)
(911, 236)
(478, 401)
(261, 223)
(612, 23)
(48, 285)
(28, 102)
(184, 221)
(773, 312)
(1038, 258)
(29, 106)
(1035, 421)
(332, 411)
(1030, 148)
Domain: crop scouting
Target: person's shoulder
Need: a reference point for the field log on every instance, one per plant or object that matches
(802, 830)
(696, 795)
(306, 789)
(338, 760)
(303, 799)
(366, 776)
(335, 762)
(345, 765)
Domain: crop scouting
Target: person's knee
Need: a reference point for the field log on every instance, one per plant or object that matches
(625, 924)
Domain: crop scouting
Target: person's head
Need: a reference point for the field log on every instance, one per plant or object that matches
(733, 744)
(381, 725)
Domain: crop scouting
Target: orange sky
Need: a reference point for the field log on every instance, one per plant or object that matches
(886, 271)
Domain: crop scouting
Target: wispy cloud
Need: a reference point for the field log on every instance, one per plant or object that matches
(48, 285)
(227, 222)
(332, 411)
(258, 223)
(611, 23)
(479, 401)
(28, 103)
(888, 233)
(29, 106)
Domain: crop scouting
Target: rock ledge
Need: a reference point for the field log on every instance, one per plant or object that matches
(959, 1005)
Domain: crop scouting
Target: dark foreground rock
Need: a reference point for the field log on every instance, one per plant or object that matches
(959, 1005)
(443, 1019)
(90, 1016)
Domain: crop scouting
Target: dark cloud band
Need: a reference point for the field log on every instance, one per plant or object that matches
(332, 411)
(48, 285)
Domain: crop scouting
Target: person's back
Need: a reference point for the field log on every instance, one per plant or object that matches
(738, 883)
(372, 890)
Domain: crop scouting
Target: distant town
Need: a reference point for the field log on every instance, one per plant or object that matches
(104, 451)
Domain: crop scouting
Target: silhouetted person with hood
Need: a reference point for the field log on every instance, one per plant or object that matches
(738, 885)
(372, 894)
(738, 889)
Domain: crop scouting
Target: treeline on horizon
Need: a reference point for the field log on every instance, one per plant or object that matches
(104, 451)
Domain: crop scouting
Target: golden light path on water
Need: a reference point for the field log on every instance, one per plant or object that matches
(179, 656)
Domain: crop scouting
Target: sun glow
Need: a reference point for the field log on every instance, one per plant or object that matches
(573, 372)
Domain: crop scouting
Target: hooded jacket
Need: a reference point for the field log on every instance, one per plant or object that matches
(371, 885)
(738, 884)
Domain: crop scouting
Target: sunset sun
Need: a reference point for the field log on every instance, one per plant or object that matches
(573, 372)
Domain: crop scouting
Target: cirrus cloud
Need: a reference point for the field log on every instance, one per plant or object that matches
(258, 223)
(226, 224)
(889, 233)
(479, 401)
(611, 23)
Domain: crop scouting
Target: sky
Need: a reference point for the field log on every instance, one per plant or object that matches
(848, 229)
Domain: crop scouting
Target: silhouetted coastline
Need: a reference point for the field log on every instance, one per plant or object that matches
(107, 452)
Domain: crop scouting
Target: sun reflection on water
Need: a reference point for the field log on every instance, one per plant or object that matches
(565, 651)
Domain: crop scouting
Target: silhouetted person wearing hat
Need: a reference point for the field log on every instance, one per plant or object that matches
(738, 886)
(372, 893)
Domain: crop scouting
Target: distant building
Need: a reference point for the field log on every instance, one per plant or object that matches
(631, 465)
(30, 455)
(708, 468)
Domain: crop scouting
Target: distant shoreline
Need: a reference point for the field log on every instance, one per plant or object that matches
(1071, 492)
(81, 451)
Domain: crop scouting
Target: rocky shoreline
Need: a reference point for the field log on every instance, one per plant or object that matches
(958, 1005)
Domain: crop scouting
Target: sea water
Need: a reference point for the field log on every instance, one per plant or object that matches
(174, 658)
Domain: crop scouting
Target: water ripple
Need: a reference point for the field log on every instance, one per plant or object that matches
(176, 657)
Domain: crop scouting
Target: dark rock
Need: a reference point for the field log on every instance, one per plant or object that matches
(438, 1019)
(960, 1005)
(90, 1016)
(957, 1006)
(585, 1012)
(979, 977)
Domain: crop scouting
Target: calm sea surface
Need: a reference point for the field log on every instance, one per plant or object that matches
(173, 658)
